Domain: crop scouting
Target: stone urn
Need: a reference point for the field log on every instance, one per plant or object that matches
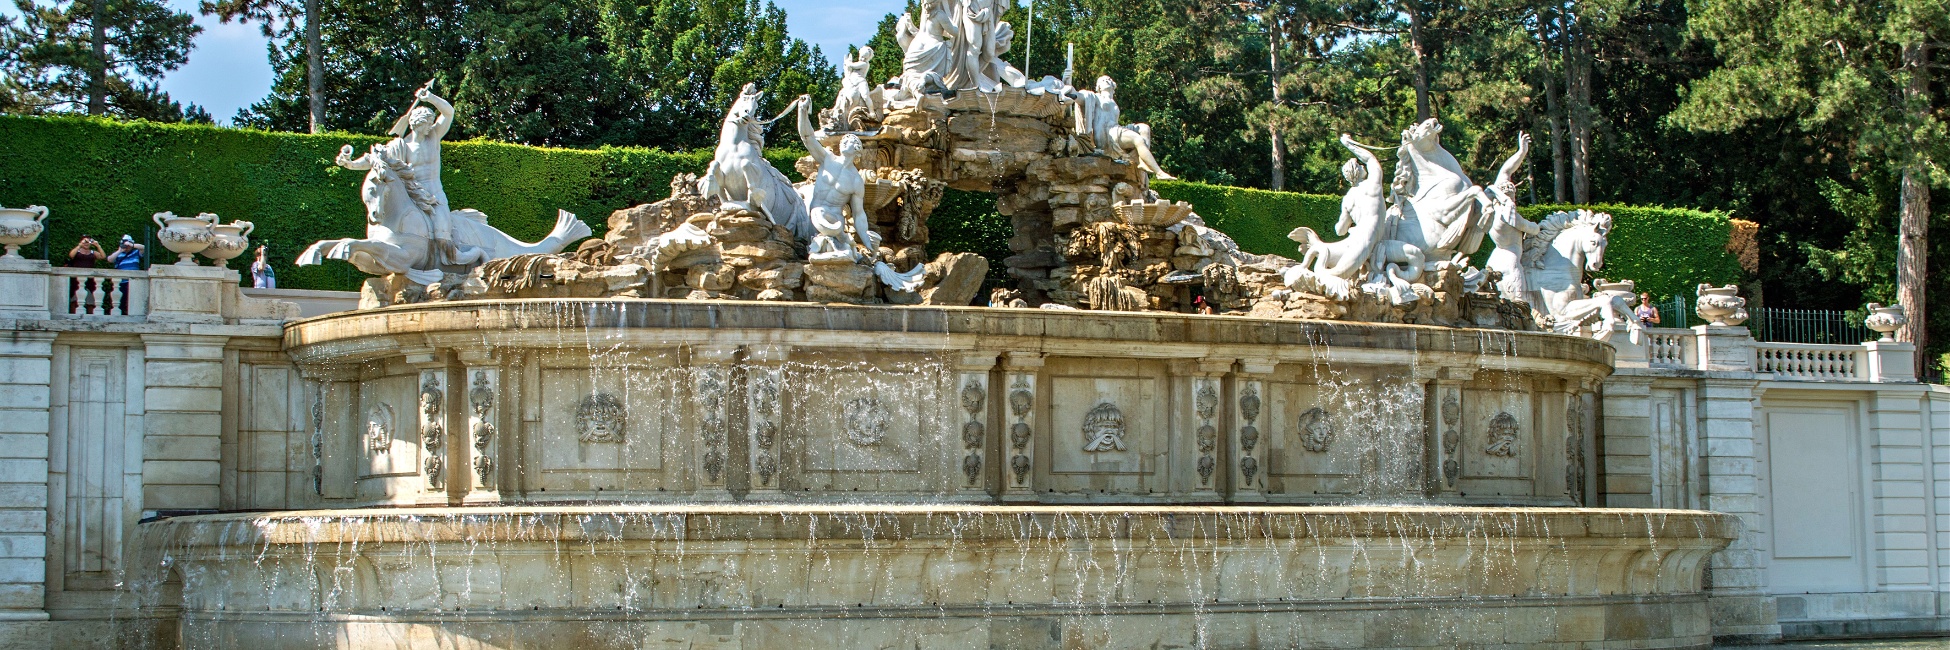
(1721, 306)
(185, 236)
(228, 240)
(1885, 320)
(20, 227)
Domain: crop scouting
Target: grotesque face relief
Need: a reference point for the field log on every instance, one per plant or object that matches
(599, 419)
(1103, 428)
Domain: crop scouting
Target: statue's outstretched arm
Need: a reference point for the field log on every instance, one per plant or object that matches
(1366, 157)
(446, 110)
(346, 160)
(1505, 175)
(819, 153)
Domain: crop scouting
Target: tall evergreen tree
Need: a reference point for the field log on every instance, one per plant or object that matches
(101, 56)
(1867, 66)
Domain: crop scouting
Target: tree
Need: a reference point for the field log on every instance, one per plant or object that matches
(284, 17)
(1866, 66)
(100, 55)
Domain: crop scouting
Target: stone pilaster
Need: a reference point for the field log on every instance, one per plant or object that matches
(973, 397)
(24, 289)
(1725, 348)
(711, 391)
(25, 386)
(1021, 371)
(483, 422)
(188, 294)
(1737, 594)
(1891, 361)
(1443, 411)
(432, 429)
(183, 422)
(1204, 396)
(1624, 454)
(1250, 433)
(1899, 464)
(765, 418)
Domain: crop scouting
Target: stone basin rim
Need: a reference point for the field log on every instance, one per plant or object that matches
(950, 322)
(429, 513)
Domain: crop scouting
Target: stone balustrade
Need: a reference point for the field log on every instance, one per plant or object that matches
(1688, 349)
(95, 294)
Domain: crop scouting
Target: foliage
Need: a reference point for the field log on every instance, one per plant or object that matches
(105, 178)
(64, 56)
(547, 72)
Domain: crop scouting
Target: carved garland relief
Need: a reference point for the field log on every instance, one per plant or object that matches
(1451, 438)
(480, 397)
(974, 436)
(710, 390)
(765, 429)
(1574, 449)
(1249, 406)
(1206, 404)
(1020, 402)
(432, 433)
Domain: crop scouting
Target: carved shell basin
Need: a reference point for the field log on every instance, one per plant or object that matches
(879, 193)
(1156, 214)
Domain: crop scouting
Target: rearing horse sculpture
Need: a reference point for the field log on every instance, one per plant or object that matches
(742, 178)
(1435, 202)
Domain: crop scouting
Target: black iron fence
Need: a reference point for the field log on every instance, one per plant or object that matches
(1777, 325)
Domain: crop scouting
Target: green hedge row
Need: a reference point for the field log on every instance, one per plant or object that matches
(105, 178)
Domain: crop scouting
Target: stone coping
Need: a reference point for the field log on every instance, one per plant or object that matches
(1673, 529)
(372, 333)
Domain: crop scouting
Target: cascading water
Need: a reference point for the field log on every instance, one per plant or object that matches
(788, 475)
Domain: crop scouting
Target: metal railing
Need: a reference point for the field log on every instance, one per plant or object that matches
(1825, 326)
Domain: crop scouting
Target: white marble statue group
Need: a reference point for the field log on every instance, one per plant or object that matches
(1431, 218)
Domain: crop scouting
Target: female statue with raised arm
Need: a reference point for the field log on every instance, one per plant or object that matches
(838, 192)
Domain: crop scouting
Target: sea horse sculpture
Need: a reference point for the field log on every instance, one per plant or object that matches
(743, 179)
(409, 228)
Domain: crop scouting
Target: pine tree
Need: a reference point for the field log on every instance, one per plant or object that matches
(102, 56)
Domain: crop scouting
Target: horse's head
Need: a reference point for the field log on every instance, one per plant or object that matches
(745, 109)
(1593, 231)
(1425, 136)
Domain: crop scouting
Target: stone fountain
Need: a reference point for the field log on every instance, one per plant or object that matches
(756, 416)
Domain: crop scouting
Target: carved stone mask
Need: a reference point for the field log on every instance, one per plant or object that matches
(599, 418)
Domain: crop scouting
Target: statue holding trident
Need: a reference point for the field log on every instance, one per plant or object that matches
(410, 229)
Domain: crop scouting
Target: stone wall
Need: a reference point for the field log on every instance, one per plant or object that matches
(1839, 471)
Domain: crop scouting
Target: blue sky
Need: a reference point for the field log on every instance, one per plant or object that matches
(229, 70)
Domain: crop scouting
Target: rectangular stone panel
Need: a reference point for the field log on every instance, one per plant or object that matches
(604, 428)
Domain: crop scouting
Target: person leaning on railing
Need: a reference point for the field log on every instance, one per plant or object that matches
(127, 257)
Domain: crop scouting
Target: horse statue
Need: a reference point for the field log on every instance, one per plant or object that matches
(1434, 200)
(409, 228)
(1567, 244)
(743, 179)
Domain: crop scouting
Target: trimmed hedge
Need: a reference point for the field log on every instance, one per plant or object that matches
(105, 178)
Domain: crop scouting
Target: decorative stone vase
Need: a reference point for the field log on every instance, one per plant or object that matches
(1885, 320)
(229, 240)
(1721, 306)
(185, 236)
(20, 227)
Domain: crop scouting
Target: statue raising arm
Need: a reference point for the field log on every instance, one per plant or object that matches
(1506, 176)
(819, 153)
(362, 163)
(1370, 183)
(446, 110)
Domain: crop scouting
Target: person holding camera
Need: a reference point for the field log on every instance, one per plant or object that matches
(86, 254)
(128, 256)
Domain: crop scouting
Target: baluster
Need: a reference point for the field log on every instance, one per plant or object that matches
(77, 296)
(117, 292)
(95, 295)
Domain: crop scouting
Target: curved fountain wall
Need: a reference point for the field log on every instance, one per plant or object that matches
(639, 473)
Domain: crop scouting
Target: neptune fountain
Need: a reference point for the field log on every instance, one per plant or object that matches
(756, 414)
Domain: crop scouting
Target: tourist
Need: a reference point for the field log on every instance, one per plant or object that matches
(128, 256)
(1647, 314)
(86, 254)
(262, 277)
